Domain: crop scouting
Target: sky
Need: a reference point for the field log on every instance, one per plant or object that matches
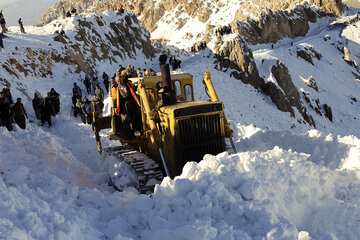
(24, 9)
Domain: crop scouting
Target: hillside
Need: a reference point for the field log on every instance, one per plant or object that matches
(296, 175)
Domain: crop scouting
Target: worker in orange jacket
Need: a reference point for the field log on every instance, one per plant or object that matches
(127, 105)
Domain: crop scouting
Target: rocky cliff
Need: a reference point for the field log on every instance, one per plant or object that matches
(108, 38)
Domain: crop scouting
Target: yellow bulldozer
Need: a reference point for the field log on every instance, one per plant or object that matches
(176, 129)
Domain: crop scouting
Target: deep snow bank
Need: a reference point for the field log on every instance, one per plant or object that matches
(46, 193)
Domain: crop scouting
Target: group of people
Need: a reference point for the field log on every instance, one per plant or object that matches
(46, 107)
(9, 112)
(83, 107)
(68, 13)
(4, 29)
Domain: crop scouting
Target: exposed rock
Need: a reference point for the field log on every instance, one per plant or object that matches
(308, 53)
(283, 78)
(283, 20)
(328, 112)
(278, 97)
(237, 56)
(197, 47)
(86, 47)
(273, 26)
(304, 55)
(312, 83)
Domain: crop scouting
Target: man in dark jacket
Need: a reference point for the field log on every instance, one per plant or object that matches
(5, 114)
(86, 108)
(55, 101)
(76, 94)
(37, 104)
(2, 22)
(19, 114)
(21, 26)
(78, 110)
(46, 110)
(7, 94)
(1, 41)
(87, 84)
(106, 81)
(96, 105)
(99, 93)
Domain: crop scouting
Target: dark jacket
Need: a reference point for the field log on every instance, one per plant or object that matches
(47, 107)
(99, 94)
(2, 19)
(96, 106)
(37, 104)
(8, 95)
(19, 110)
(77, 92)
(5, 110)
(86, 107)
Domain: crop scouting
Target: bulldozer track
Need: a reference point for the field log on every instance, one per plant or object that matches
(146, 169)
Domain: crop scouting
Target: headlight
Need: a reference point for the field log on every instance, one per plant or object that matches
(178, 113)
(217, 107)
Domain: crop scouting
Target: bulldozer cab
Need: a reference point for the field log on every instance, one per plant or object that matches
(181, 83)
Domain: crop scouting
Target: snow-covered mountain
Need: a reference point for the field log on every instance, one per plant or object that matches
(292, 102)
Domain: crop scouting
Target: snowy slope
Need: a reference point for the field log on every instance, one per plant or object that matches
(285, 182)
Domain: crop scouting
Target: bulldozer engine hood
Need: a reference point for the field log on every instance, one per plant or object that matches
(185, 109)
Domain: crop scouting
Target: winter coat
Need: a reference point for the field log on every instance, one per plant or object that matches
(5, 115)
(77, 92)
(87, 82)
(37, 104)
(5, 110)
(46, 111)
(19, 114)
(47, 107)
(19, 110)
(122, 94)
(86, 107)
(55, 102)
(96, 106)
(2, 19)
(7, 94)
(99, 94)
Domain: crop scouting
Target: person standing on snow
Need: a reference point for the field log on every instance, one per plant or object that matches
(2, 22)
(19, 114)
(46, 110)
(99, 93)
(76, 94)
(63, 12)
(87, 84)
(37, 104)
(78, 110)
(55, 100)
(1, 41)
(120, 8)
(96, 105)
(94, 82)
(21, 26)
(106, 81)
(5, 114)
(7, 94)
(127, 104)
(86, 108)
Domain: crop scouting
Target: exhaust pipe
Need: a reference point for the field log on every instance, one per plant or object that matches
(168, 94)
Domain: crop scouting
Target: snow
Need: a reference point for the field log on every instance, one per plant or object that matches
(284, 183)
